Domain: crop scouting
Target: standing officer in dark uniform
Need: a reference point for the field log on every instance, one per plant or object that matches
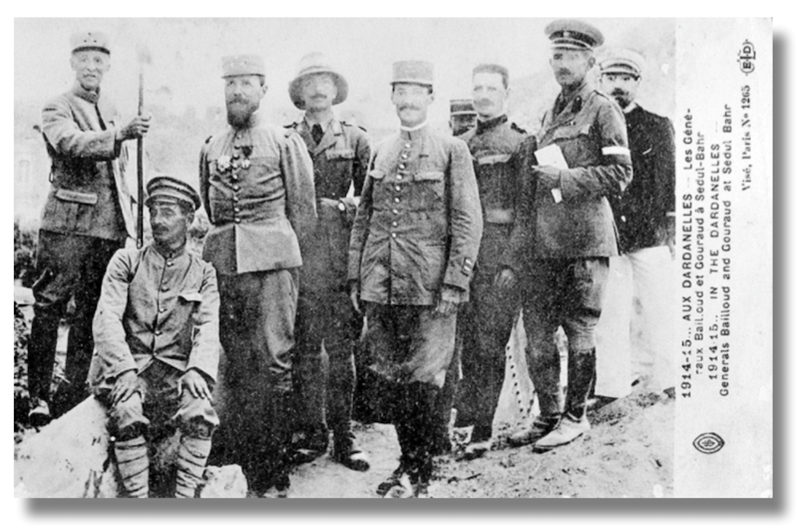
(340, 154)
(644, 216)
(569, 227)
(412, 253)
(86, 219)
(256, 181)
(462, 116)
(487, 321)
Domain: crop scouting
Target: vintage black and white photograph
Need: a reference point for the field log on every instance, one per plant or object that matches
(392, 258)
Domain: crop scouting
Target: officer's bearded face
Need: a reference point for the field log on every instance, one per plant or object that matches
(489, 94)
(90, 67)
(318, 92)
(570, 66)
(169, 222)
(411, 102)
(242, 95)
(622, 87)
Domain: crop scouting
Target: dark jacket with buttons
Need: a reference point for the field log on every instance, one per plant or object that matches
(156, 308)
(591, 133)
(494, 146)
(257, 187)
(88, 196)
(419, 222)
(641, 212)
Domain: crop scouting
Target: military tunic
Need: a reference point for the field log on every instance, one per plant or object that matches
(324, 311)
(256, 183)
(486, 322)
(158, 316)
(417, 230)
(571, 240)
(86, 218)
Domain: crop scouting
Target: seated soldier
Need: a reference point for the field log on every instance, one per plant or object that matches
(156, 333)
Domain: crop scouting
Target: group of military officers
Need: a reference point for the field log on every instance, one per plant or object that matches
(451, 238)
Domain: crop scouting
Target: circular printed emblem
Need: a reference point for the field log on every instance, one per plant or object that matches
(708, 443)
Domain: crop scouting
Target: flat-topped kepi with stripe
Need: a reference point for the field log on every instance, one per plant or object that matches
(623, 61)
(572, 34)
(171, 189)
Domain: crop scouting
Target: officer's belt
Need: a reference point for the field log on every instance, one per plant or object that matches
(500, 217)
(249, 210)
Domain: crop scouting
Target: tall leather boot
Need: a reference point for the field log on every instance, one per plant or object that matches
(339, 407)
(423, 400)
(544, 370)
(581, 367)
(133, 463)
(192, 455)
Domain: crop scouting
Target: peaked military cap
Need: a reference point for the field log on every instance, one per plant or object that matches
(416, 72)
(459, 107)
(572, 34)
(90, 40)
(165, 187)
(316, 63)
(233, 65)
(623, 61)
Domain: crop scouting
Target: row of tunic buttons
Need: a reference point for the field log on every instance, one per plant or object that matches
(164, 288)
(404, 156)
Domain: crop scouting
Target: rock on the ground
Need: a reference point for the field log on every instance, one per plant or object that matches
(225, 482)
(71, 458)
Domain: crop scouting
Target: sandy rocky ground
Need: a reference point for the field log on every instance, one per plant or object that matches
(624, 455)
(628, 453)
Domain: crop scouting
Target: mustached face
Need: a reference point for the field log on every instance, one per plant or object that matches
(318, 91)
(169, 222)
(90, 66)
(570, 67)
(489, 94)
(242, 97)
(622, 87)
(411, 102)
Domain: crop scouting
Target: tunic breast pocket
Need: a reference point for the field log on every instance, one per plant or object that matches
(188, 303)
(428, 189)
(340, 155)
(74, 210)
(576, 142)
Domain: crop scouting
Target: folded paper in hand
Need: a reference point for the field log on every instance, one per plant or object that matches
(551, 155)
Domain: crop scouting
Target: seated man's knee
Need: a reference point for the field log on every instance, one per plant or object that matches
(127, 420)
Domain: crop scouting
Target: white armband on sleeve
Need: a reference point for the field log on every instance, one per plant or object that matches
(615, 150)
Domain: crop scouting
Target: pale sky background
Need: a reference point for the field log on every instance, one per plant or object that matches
(186, 54)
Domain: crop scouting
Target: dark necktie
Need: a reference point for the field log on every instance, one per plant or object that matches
(316, 133)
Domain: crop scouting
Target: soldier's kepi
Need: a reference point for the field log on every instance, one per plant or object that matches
(412, 253)
(340, 153)
(568, 233)
(462, 116)
(256, 181)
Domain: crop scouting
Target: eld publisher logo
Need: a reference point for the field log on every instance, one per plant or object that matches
(746, 57)
(708, 443)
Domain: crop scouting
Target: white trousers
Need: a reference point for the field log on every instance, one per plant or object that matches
(635, 334)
